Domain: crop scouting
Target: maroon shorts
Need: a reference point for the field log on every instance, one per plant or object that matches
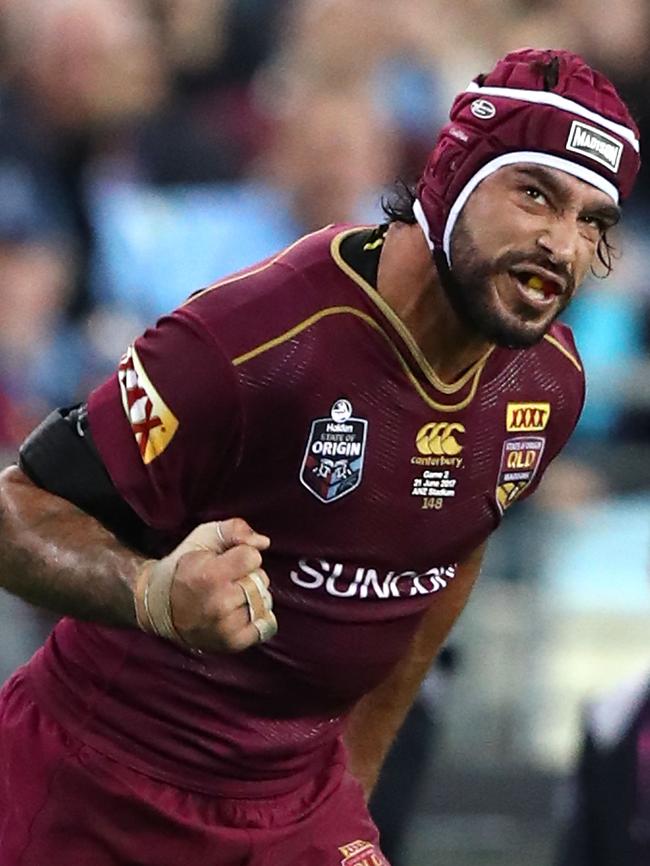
(63, 803)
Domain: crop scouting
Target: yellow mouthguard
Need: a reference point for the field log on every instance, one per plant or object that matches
(535, 283)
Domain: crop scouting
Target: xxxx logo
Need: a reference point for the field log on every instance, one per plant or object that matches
(527, 417)
(440, 438)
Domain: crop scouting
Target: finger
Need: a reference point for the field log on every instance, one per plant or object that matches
(236, 531)
(238, 561)
(236, 632)
(262, 582)
(253, 633)
(261, 577)
(212, 568)
(266, 627)
(256, 595)
(220, 535)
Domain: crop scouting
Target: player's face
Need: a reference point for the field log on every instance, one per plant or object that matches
(523, 242)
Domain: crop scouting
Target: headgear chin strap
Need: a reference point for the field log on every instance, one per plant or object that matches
(580, 126)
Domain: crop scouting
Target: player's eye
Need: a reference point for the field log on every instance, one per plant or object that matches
(535, 194)
(595, 222)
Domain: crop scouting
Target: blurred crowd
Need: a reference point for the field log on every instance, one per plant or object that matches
(147, 147)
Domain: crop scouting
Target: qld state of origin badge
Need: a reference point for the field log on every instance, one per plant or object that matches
(334, 455)
(520, 459)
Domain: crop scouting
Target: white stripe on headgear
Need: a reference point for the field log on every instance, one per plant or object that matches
(544, 97)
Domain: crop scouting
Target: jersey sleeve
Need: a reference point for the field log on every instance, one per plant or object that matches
(167, 425)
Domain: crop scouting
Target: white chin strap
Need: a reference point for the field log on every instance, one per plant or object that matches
(521, 156)
(423, 222)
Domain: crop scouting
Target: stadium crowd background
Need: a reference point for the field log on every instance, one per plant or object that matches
(148, 147)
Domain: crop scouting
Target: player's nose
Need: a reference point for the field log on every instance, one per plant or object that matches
(560, 239)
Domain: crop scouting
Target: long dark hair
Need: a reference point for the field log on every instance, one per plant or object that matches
(398, 203)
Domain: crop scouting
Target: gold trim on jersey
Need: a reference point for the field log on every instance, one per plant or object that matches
(475, 370)
(249, 272)
(365, 317)
(555, 342)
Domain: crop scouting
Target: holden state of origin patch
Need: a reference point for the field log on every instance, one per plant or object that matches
(332, 465)
(520, 460)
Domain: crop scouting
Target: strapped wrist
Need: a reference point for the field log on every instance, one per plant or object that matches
(152, 599)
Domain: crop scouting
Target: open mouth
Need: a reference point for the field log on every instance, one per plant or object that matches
(537, 285)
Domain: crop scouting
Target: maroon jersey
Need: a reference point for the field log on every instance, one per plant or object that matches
(292, 395)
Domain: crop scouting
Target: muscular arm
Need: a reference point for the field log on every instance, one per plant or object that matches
(377, 717)
(56, 556)
(70, 538)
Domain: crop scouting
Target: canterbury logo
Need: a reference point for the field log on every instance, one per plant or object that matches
(439, 438)
(527, 417)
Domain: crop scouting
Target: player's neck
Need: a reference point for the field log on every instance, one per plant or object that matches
(409, 283)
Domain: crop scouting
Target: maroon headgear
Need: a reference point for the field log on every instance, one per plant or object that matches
(579, 125)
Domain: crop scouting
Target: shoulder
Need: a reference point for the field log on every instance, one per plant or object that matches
(555, 358)
(286, 291)
(556, 367)
(562, 352)
(564, 364)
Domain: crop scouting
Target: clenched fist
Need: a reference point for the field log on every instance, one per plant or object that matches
(210, 593)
